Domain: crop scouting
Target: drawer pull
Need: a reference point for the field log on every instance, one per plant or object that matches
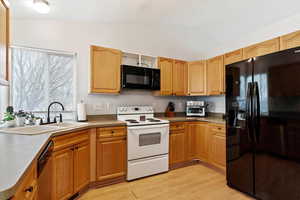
(112, 131)
(30, 189)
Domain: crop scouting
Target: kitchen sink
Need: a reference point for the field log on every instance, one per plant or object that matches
(34, 130)
(68, 124)
(30, 130)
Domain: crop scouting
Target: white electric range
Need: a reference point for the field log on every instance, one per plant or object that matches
(147, 141)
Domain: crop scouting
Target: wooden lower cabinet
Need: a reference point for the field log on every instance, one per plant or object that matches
(70, 165)
(217, 154)
(177, 147)
(81, 166)
(197, 141)
(111, 155)
(111, 159)
(28, 187)
(191, 138)
(63, 174)
(202, 141)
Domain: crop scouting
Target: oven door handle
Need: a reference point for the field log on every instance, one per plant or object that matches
(148, 127)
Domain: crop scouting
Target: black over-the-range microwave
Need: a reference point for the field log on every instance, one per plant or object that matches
(140, 77)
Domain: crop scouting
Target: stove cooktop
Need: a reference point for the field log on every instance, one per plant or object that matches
(138, 116)
(147, 121)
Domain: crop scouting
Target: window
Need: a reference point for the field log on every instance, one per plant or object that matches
(3, 100)
(40, 77)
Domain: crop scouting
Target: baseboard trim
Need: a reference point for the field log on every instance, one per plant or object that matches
(183, 164)
(112, 181)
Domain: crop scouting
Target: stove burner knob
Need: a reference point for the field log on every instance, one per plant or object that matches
(136, 109)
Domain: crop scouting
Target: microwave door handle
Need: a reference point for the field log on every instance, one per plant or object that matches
(152, 79)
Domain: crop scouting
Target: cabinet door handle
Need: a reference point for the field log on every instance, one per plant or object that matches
(72, 149)
(29, 189)
(112, 131)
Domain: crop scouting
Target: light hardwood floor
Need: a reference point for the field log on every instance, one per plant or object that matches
(195, 182)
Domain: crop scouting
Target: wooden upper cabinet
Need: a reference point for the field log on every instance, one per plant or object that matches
(4, 42)
(196, 75)
(179, 78)
(166, 75)
(233, 57)
(262, 48)
(290, 40)
(215, 76)
(105, 70)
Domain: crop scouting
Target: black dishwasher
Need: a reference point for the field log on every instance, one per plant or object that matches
(45, 172)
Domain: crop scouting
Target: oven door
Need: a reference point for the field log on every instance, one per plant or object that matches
(147, 141)
(136, 77)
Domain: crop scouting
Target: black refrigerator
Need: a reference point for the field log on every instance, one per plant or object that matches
(263, 126)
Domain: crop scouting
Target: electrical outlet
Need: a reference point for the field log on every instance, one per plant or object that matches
(98, 107)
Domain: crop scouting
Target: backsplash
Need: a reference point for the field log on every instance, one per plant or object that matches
(216, 104)
(100, 104)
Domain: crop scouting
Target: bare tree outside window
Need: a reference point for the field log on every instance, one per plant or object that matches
(41, 77)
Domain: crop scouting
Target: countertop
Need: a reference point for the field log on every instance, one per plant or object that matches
(180, 117)
(17, 152)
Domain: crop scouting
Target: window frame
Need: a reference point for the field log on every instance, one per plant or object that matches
(75, 67)
(4, 81)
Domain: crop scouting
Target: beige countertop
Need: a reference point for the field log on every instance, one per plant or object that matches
(17, 152)
(181, 117)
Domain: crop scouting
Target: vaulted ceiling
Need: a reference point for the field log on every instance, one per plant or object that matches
(215, 22)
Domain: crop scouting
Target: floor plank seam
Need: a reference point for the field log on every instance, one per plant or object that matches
(134, 195)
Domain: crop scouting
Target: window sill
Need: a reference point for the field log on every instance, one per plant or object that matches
(4, 82)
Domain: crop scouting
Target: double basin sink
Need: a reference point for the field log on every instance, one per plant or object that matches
(40, 129)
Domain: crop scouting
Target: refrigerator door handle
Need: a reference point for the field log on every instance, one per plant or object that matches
(256, 113)
(249, 113)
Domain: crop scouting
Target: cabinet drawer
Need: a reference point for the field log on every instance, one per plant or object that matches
(218, 128)
(111, 132)
(177, 126)
(28, 187)
(70, 139)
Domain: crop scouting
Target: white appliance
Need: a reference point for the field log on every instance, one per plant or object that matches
(147, 141)
(195, 108)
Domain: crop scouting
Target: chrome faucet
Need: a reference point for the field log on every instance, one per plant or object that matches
(60, 115)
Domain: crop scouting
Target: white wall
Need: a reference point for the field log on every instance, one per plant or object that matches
(146, 39)
(241, 37)
(77, 37)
